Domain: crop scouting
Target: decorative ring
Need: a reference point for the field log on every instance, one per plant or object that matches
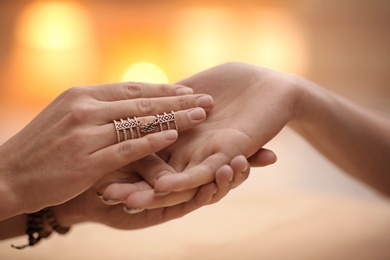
(166, 119)
(135, 126)
(148, 127)
(124, 125)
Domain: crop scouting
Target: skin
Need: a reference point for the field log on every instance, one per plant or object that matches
(142, 195)
(87, 207)
(352, 137)
(252, 105)
(263, 111)
(72, 143)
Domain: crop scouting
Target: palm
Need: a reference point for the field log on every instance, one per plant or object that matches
(241, 122)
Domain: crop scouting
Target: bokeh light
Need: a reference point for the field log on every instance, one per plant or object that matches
(47, 46)
(207, 36)
(201, 37)
(278, 41)
(53, 25)
(144, 72)
(54, 49)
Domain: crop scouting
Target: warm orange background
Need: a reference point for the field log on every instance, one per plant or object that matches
(300, 208)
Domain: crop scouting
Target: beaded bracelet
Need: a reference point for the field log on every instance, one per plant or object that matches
(41, 225)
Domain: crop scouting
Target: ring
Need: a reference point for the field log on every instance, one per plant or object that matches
(123, 125)
(167, 118)
(135, 126)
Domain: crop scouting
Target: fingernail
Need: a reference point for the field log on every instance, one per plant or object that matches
(110, 202)
(132, 210)
(196, 114)
(99, 195)
(231, 178)
(184, 91)
(245, 169)
(170, 135)
(204, 101)
(161, 193)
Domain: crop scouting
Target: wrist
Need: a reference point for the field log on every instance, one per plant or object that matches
(306, 97)
(67, 215)
(8, 196)
(40, 225)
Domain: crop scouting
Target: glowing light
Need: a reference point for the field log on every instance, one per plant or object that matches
(55, 48)
(145, 72)
(201, 36)
(269, 37)
(279, 43)
(53, 25)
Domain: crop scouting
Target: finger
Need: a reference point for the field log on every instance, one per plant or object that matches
(147, 199)
(121, 154)
(118, 192)
(241, 169)
(106, 135)
(151, 167)
(108, 111)
(148, 168)
(231, 176)
(161, 215)
(262, 157)
(192, 177)
(103, 186)
(202, 198)
(223, 179)
(131, 90)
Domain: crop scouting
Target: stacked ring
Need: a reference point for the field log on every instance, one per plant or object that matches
(135, 126)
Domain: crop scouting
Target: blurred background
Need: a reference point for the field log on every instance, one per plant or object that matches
(49, 46)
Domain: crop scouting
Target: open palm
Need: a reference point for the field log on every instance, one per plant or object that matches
(240, 122)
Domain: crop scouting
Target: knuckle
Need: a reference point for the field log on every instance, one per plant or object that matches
(145, 107)
(166, 90)
(75, 92)
(207, 168)
(78, 108)
(79, 113)
(150, 160)
(125, 149)
(176, 163)
(131, 90)
(183, 102)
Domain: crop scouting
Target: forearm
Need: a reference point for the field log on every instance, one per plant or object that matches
(13, 227)
(355, 139)
(8, 197)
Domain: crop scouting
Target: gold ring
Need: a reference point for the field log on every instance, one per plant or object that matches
(135, 127)
(122, 126)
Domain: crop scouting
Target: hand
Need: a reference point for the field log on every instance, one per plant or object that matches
(137, 193)
(72, 143)
(87, 206)
(252, 105)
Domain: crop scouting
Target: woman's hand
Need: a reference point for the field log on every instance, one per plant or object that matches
(136, 192)
(72, 143)
(87, 207)
(252, 105)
